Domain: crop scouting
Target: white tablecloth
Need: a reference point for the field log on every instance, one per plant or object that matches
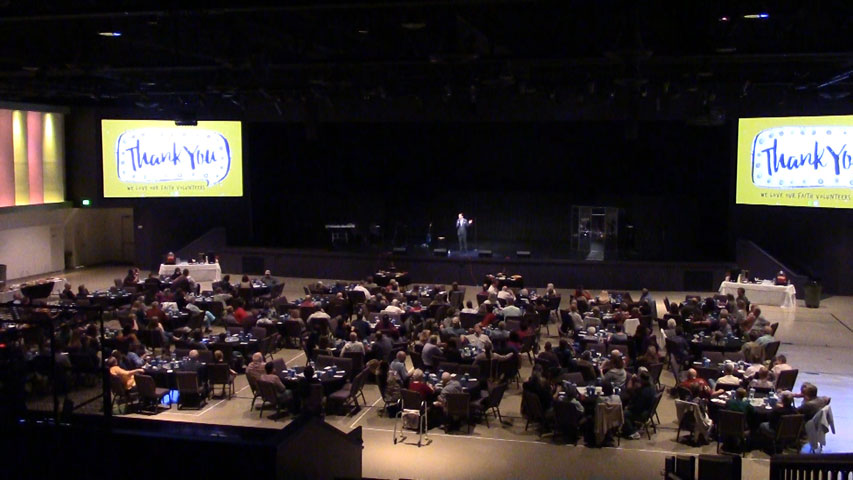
(201, 272)
(784, 296)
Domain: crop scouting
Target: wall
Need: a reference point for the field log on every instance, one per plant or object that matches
(32, 240)
(94, 236)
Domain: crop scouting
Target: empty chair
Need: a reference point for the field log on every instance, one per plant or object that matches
(715, 357)
(259, 332)
(190, 390)
(574, 377)
(220, 374)
(787, 431)
(293, 333)
(491, 403)
(234, 330)
(734, 356)
(149, 394)
(448, 366)
(269, 398)
(531, 409)
(771, 349)
(205, 356)
(472, 370)
(787, 379)
(566, 418)
(708, 373)
(182, 353)
(731, 425)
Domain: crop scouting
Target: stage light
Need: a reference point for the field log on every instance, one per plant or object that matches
(756, 16)
(110, 34)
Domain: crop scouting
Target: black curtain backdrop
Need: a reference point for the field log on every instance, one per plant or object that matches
(518, 180)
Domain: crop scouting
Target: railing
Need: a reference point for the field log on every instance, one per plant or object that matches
(812, 467)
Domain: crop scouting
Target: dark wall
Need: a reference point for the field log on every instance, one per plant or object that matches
(162, 224)
(518, 180)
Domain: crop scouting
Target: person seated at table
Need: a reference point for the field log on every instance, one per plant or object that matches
(751, 350)
(219, 357)
(256, 367)
(282, 394)
(492, 300)
(361, 326)
(430, 351)
(510, 310)
(539, 386)
(500, 334)
(455, 329)
(722, 323)
(524, 330)
(353, 345)
(245, 282)
(82, 291)
(506, 294)
(127, 336)
(759, 321)
(780, 364)
(452, 353)
(811, 402)
(741, 295)
(177, 273)
(781, 278)
(469, 308)
(649, 357)
(729, 377)
(548, 356)
(602, 298)
(593, 318)
(382, 347)
(394, 307)
(268, 280)
(154, 325)
(616, 373)
(618, 336)
(207, 315)
(196, 338)
(399, 365)
(67, 293)
(477, 338)
(641, 403)
(240, 314)
(131, 279)
(489, 316)
(608, 395)
(643, 337)
(192, 364)
(580, 292)
(762, 379)
(697, 387)
(417, 384)
(565, 354)
(386, 326)
(784, 407)
(766, 337)
(125, 376)
(488, 354)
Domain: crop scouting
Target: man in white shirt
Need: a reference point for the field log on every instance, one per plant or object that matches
(361, 288)
(478, 339)
(493, 288)
(577, 320)
(728, 377)
(353, 345)
(780, 364)
(506, 294)
(399, 366)
(394, 307)
(511, 311)
(469, 308)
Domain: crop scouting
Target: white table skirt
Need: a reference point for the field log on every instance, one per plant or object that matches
(201, 272)
(784, 296)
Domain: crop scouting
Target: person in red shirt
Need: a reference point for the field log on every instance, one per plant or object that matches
(417, 384)
(240, 314)
(698, 387)
(155, 312)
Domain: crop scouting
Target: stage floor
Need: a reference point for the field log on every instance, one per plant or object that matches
(815, 340)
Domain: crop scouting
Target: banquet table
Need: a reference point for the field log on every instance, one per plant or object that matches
(784, 296)
(383, 278)
(468, 384)
(201, 272)
(511, 281)
(699, 344)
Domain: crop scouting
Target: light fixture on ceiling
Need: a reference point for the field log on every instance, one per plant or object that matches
(756, 16)
(111, 34)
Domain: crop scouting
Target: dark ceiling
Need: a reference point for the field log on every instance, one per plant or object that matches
(593, 58)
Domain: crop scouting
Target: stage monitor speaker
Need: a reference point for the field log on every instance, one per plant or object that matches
(399, 250)
(439, 252)
(484, 254)
(522, 253)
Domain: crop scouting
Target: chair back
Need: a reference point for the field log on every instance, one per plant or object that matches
(449, 366)
(456, 298)
(267, 390)
(496, 394)
(182, 353)
(731, 423)
(734, 356)
(218, 373)
(773, 328)
(234, 330)
(259, 332)
(512, 324)
(789, 427)
(715, 357)
(472, 370)
(708, 373)
(117, 386)
(253, 384)
(417, 360)
(205, 356)
(292, 328)
(323, 361)
(411, 399)
(145, 386)
(597, 347)
(531, 407)
(482, 297)
(554, 302)
(787, 379)
(574, 377)
(358, 361)
(458, 405)
(566, 416)
(468, 320)
(314, 402)
(770, 349)
(187, 382)
(527, 344)
(356, 297)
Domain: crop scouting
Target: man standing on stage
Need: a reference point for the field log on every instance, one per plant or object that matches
(462, 225)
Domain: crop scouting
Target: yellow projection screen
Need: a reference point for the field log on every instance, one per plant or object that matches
(156, 158)
(795, 161)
